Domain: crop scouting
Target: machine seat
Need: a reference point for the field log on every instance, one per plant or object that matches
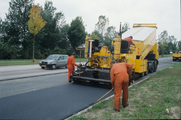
(124, 46)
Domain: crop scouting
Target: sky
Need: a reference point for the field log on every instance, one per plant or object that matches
(165, 13)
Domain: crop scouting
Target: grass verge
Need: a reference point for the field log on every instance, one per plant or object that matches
(158, 97)
(168, 55)
(18, 62)
(29, 61)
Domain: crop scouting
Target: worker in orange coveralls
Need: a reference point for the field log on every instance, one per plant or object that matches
(70, 65)
(120, 80)
(129, 39)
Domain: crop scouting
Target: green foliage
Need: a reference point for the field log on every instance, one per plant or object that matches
(9, 51)
(76, 32)
(179, 45)
(167, 43)
(14, 29)
(15, 35)
(109, 36)
(55, 31)
(96, 35)
(106, 33)
(162, 41)
(102, 24)
(125, 27)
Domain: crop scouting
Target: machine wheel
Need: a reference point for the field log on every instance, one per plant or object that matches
(152, 68)
(53, 67)
(142, 74)
(155, 67)
(146, 73)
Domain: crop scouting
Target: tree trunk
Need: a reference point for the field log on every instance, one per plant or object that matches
(33, 48)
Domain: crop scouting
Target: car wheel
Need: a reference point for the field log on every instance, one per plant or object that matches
(53, 67)
(42, 67)
(66, 66)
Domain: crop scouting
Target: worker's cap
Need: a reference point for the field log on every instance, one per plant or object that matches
(131, 37)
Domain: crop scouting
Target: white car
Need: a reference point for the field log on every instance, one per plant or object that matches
(54, 61)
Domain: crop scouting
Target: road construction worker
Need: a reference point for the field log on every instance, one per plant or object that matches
(129, 39)
(70, 65)
(120, 80)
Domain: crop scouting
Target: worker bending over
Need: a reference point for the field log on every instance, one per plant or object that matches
(120, 80)
(70, 65)
(129, 39)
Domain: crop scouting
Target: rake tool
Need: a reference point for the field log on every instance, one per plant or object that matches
(103, 96)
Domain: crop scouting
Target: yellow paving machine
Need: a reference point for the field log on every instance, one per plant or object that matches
(176, 55)
(143, 56)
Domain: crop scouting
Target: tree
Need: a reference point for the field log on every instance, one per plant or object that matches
(0, 25)
(179, 45)
(96, 35)
(76, 33)
(102, 24)
(109, 36)
(162, 41)
(125, 27)
(54, 34)
(172, 44)
(14, 27)
(36, 23)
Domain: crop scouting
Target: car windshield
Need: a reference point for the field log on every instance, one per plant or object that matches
(52, 57)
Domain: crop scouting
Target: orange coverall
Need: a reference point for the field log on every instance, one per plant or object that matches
(129, 41)
(70, 65)
(119, 81)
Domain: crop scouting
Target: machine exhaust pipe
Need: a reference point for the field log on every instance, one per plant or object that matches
(120, 33)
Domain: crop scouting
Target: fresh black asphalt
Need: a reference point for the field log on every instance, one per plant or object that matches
(54, 103)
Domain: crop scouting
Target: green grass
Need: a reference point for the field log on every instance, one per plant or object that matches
(147, 100)
(82, 59)
(29, 61)
(78, 118)
(18, 62)
(168, 55)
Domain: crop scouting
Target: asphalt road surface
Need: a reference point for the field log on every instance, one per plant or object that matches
(28, 92)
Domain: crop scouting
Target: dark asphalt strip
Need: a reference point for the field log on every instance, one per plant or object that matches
(53, 103)
(30, 76)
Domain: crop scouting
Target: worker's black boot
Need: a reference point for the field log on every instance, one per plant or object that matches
(126, 105)
(116, 110)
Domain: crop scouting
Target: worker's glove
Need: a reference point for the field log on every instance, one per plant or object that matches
(79, 65)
